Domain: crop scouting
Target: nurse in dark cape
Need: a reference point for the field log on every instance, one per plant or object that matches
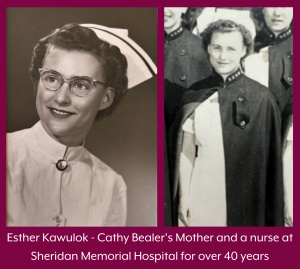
(226, 150)
(273, 52)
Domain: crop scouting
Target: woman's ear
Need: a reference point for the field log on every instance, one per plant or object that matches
(108, 98)
(35, 85)
(208, 49)
(244, 51)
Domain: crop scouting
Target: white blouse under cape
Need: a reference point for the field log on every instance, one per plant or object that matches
(87, 193)
(206, 173)
(288, 177)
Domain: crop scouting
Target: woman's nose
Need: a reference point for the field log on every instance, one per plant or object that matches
(278, 11)
(223, 55)
(63, 93)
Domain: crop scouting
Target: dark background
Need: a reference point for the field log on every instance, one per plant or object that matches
(126, 140)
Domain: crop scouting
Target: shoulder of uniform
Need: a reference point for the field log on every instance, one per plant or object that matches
(254, 84)
(198, 95)
(203, 84)
(192, 39)
(188, 33)
(18, 134)
(258, 92)
(100, 167)
(172, 87)
(16, 139)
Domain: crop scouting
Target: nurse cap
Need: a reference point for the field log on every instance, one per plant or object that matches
(140, 66)
(238, 16)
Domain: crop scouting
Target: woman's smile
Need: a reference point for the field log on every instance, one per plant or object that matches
(60, 113)
(64, 115)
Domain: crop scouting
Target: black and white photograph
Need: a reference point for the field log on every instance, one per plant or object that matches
(81, 117)
(228, 116)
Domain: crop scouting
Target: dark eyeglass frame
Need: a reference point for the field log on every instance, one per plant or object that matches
(70, 81)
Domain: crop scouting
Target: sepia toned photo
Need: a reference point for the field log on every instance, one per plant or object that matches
(81, 117)
(228, 116)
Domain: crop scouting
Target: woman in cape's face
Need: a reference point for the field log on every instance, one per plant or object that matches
(172, 18)
(225, 51)
(65, 116)
(278, 19)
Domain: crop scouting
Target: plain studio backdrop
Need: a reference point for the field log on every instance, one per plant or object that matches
(125, 140)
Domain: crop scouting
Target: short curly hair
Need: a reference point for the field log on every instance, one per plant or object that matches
(227, 26)
(75, 37)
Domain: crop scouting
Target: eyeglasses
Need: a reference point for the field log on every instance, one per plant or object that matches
(80, 86)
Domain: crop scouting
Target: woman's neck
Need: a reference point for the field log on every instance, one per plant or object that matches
(227, 75)
(173, 28)
(68, 140)
(277, 33)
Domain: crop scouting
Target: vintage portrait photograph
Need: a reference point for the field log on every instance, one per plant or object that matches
(81, 117)
(228, 116)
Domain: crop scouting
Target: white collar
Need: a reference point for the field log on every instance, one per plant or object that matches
(53, 148)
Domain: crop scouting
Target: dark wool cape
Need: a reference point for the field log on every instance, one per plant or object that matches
(186, 62)
(280, 63)
(251, 125)
(167, 192)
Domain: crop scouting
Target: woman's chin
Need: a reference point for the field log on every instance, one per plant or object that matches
(56, 129)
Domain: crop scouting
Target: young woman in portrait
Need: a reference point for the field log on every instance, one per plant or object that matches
(79, 73)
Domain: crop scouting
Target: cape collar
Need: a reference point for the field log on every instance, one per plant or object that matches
(219, 81)
(173, 35)
(54, 149)
(267, 38)
(280, 38)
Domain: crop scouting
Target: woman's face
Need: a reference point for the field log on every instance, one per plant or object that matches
(226, 51)
(278, 19)
(64, 115)
(172, 18)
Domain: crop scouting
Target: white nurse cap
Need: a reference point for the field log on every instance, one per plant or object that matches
(140, 66)
(242, 17)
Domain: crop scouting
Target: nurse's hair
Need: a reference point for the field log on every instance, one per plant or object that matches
(257, 13)
(73, 37)
(227, 26)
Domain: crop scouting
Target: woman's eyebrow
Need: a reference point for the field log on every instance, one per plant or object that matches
(76, 76)
(52, 71)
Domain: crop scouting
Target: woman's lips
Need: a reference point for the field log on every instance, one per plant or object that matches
(60, 113)
(223, 64)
